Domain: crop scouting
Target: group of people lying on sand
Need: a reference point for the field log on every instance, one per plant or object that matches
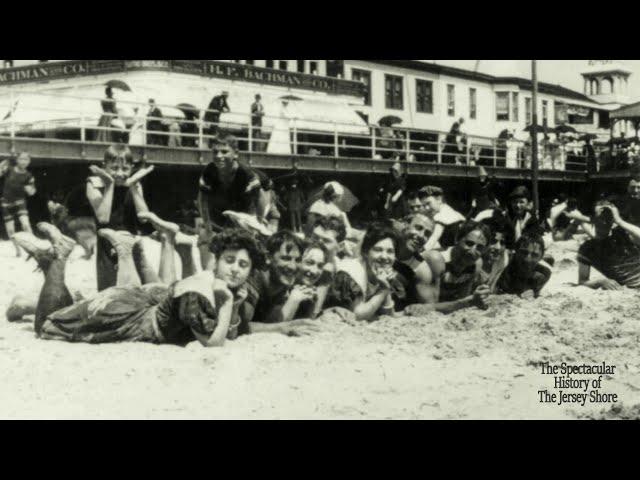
(240, 274)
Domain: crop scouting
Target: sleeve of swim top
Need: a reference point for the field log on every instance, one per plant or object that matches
(253, 181)
(195, 312)
(208, 178)
(344, 291)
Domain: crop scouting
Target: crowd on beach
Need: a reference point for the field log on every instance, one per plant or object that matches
(236, 271)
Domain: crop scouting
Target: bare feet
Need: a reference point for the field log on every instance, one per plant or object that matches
(122, 241)
(20, 306)
(139, 175)
(40, 250)
(184, 240)
(62, 245)
(169, 229)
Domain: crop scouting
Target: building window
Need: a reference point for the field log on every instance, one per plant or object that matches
(502, 106)
(282, 64)
(527, 110)
(545, 112)
(451, 100)
(365, 77)
(514, 106)
(249, 62)
(335, 68)
(473, 103)
(269, 63)
(8, 64)
(424, 96)
(393, 92)
(300, 65)
(313, 68)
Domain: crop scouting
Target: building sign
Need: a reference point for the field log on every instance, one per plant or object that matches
(209, 68)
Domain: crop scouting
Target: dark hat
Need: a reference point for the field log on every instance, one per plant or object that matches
(520, 192)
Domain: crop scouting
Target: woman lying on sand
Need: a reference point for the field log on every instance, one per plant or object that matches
(280, 294)
(201, 306)
(371, 285)
(611, 251)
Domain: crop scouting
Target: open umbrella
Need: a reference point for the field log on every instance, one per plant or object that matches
(587, 136)
(538, 129)
(389, 120)
(118, 84)
(290, 97)
(188, 109)
(565, 129)
(345, 203)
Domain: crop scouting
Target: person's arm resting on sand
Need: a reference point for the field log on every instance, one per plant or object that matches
(605, 283)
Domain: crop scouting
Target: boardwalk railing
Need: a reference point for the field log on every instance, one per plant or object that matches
(70, 117)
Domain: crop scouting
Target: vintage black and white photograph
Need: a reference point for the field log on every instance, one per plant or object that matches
(320, 239)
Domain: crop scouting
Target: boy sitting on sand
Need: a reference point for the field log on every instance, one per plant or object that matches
(116, 197)
(612, 251)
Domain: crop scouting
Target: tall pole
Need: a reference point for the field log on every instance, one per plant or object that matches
(534, 137)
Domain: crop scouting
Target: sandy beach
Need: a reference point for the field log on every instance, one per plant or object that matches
(472, 364)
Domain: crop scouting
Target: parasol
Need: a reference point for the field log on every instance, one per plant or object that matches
(538, 129)
(346, 202)
(290, 97)
(118, 84)
(587, 136)
(189, 110)
(504, 134)
(389, 120)
(565, 129)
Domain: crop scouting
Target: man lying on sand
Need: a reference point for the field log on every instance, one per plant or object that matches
(456, 272)
(526, 272)
(612, 251)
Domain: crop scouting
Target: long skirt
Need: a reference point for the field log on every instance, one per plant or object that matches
(118, 314)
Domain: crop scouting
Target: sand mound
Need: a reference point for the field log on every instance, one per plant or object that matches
(470, 364)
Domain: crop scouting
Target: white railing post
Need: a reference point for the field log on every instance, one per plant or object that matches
(407, 146)
(12, 123)
(250, 133)
(373, 142)
(335, 140)
(200, 132)
(295, 136)
(83, 135)
(468, 152)
(495, 152)
(439, 148)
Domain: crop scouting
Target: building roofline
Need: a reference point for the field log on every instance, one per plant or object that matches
(522, 83)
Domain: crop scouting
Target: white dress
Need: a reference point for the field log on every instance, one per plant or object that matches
(280, 140)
